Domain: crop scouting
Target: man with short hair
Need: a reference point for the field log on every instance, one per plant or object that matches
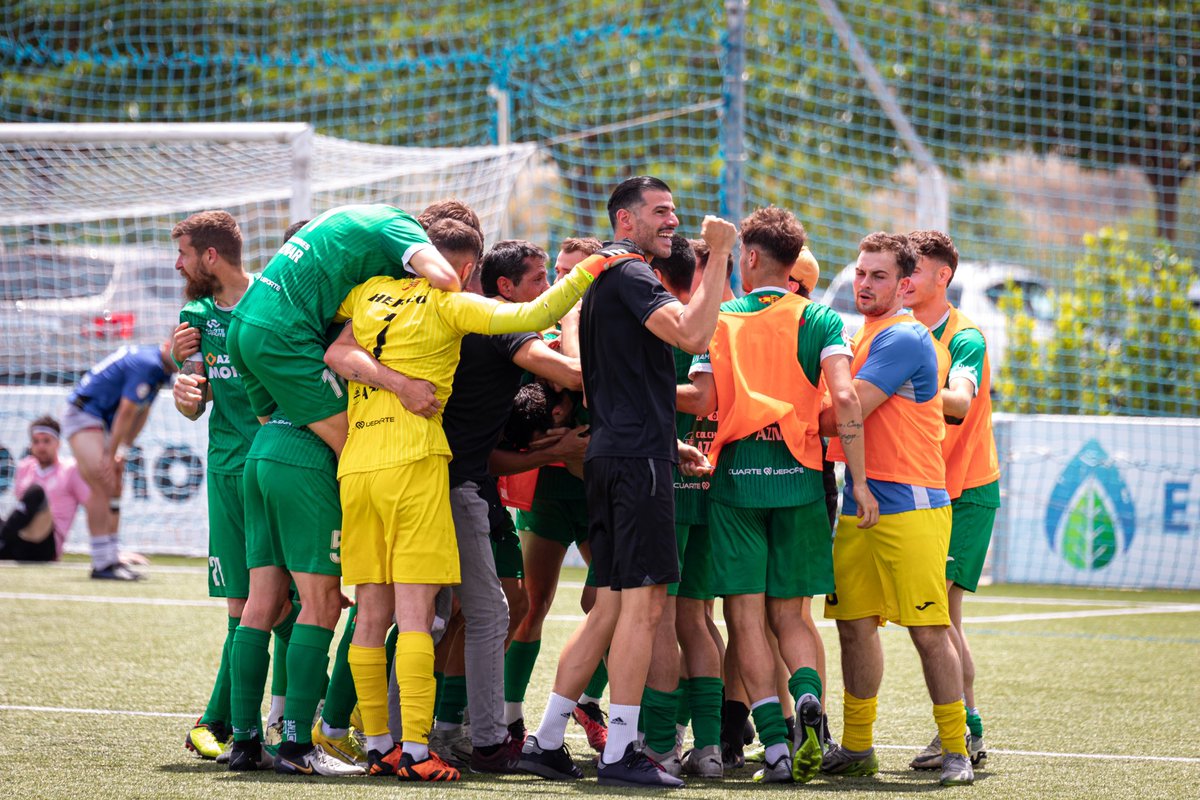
(104, 414)
(277, 337)
(49, 491)
(700, 248)
(763, 376)
(400, 545)
(628, 476)
(972, 467)
(897, 571)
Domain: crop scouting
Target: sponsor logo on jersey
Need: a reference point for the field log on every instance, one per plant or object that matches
(373, 422)
(219, 367)
(215, 328)
(1090, 519)
(271, 283)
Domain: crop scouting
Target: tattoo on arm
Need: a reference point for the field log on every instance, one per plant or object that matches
(849, 432)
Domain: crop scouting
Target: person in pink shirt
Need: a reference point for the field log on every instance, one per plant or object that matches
(49, 492)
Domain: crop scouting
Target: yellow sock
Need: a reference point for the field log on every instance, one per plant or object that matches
(368, 665)
(951, 719)
(414, 673)
(858, 722)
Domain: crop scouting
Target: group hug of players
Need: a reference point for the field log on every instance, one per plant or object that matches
(364, 405)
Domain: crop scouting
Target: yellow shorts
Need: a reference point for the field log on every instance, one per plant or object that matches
(895, 571)
(397, 526)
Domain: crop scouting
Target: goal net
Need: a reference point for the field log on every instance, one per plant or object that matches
(87, 261)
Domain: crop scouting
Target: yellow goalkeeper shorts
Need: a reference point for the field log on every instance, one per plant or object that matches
(397, 526)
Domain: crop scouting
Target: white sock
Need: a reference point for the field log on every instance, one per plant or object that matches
(513, 712)
(800, 701)
(584, 699)
(438, 725)
(381, 743)
(776, 751)
(622, 731)
(275, 715)
(680, 733)
(333, 733)
(419, 752)
(105, 551)
(554, 722)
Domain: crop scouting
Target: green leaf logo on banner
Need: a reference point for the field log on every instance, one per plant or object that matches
(1090, 518)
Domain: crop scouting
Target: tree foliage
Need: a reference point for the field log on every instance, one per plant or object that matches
(1126, 339)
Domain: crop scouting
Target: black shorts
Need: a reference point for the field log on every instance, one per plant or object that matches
(631, 522)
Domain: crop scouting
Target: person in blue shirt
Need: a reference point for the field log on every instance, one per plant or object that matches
(104, 414)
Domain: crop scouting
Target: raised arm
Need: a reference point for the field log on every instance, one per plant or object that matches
(433, 267)
(691, 327)
(544, 361)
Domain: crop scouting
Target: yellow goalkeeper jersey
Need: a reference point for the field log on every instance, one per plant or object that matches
(416, 330)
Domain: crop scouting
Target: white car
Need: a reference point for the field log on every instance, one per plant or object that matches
(62, 309)
(976, 290)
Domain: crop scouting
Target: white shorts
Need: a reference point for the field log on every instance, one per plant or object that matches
(75, 419)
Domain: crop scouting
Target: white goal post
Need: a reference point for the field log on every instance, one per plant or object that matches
(87, 261)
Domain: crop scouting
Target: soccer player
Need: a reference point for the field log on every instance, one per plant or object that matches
(49, 491)
(700, 248)
(400, 546)
(210, 261)
(897, 570)
(104, 414)
(766, 513)
(972, 468)
(628, 325)
(557, 517)
(277, 337)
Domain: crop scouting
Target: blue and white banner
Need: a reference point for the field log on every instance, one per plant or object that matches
(163, 507)
(1098, 501)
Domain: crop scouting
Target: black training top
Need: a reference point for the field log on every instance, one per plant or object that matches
(628, 372)
(485, 384)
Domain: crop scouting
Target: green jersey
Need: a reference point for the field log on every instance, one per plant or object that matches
(759, 471)
(231, 424)
(967, 349)
(305, 282)
(281, 441)
(691, 508)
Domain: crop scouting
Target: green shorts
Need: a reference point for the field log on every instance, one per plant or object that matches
(293, 518)
(695, 563)
(227, 573)
(285, 370)
(562, 521)
(506, 550)
(970, 534)
(783, 552)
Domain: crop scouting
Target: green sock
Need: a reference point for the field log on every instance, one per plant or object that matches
(217, 710)
(974, 721)
(659, 710)
(768, 721)
(704, 699)
(283, 633)
(599, 681)
(340, 697)
(804, 681)
(248, 662)
(683, 714)
(308, 657)
(518, 668)
(452, 699)
(439, 680)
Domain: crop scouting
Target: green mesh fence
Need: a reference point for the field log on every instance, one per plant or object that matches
(1055, 141)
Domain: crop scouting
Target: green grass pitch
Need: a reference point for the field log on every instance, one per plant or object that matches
(1084, 694)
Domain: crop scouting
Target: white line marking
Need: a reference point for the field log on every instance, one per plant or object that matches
(1042, 754)
(80, 567)
(101, 711)
(131, 601)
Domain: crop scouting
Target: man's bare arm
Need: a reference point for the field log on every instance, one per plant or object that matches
(698, 397)
(542, 360)
(691, 327)
(348, 359)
